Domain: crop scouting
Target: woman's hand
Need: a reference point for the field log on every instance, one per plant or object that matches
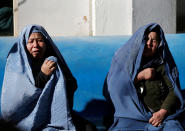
(48, 67)
(158, 117)
(146, 74)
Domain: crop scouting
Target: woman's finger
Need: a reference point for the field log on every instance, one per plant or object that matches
(151, 120)
(51, 63)
(156, 124)
(46, 61)
(53, 68)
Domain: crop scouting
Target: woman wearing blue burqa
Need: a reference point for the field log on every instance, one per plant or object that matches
(38, 87)
(143, 84)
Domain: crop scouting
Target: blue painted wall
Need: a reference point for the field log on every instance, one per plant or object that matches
(89, 59)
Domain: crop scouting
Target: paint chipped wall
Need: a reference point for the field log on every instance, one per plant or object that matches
(59, 17)
(94, 17)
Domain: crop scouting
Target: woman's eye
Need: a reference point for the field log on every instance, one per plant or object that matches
(40, 40)
(154, 41)
(30, 41)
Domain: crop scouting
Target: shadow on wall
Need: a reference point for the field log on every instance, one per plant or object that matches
(98, 112)
(180, 16)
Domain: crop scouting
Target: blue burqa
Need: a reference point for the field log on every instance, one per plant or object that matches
(130, 113)
(33, 108)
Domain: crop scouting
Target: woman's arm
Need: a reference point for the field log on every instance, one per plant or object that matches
(146, 74)
(43, 76)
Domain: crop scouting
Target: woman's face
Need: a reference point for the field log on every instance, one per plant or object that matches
(36, 45)
(151, 45)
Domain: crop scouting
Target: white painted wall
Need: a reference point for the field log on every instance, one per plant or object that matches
(59, 17)
(162, 12)
(113, 17)
(94, 17)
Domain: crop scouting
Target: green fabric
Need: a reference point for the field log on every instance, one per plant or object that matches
(159, 92)
(6, 21)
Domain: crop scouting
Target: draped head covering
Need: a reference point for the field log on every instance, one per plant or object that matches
(33, 108)
(130, 113)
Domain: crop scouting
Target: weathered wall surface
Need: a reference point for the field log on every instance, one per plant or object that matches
(99, 17)
(113, 17)
(59, 17)
(162, 12)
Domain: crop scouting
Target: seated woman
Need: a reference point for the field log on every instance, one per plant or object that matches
(38, 87)
(143, 84)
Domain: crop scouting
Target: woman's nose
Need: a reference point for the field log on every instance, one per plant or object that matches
(35, 43)
(149, 43)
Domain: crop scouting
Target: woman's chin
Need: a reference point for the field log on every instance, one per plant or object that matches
(37, 55)
(148, 54)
